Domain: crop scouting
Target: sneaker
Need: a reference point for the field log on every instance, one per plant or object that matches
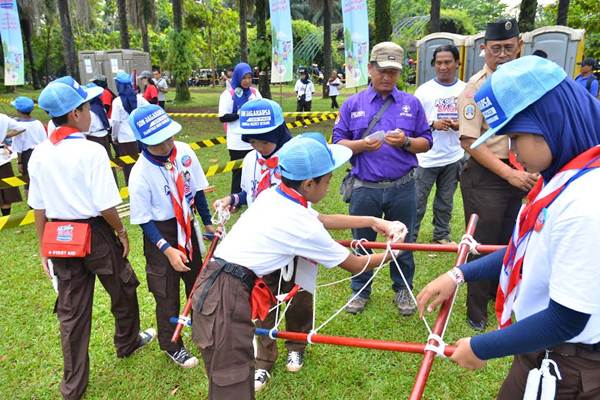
(443, 241)
(479, 326)
(357, 305)
(144, 338)
(405, 303)
(182, 358)
(295, 361)
(261, 377)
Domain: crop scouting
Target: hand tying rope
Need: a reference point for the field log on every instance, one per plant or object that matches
(468, 240)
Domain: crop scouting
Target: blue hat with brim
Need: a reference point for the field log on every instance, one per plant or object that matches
(65, 94)
(309, 156)
(123, 77)
(151, 125)
(259, 116)
(513, 87)
(23, 104)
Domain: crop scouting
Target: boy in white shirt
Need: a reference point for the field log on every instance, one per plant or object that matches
(166, 184)
(8, 128)
(256, 246)
(304, 90)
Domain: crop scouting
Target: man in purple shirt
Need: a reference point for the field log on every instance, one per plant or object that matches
(384, 161)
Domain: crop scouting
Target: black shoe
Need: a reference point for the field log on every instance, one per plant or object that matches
(144, 338)
(182, 358)
(477, 325)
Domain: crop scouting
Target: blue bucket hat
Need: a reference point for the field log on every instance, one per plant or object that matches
(151, 125)
(309, 156)
(123, 77)
(65, 94)
(259, 116)
(512, 88)
(23, 104)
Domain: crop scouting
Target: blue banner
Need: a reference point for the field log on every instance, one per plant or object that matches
(282, 56)
(12, 43)
(356, 41)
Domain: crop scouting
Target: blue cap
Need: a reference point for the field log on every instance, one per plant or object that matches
(309, 156)
(513, 87)
(63, 95)
(23, 104)
(152, 125)
(259, 116)
(123, 77)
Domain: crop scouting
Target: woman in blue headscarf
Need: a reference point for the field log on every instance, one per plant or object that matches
(230, 102)
(549, 274)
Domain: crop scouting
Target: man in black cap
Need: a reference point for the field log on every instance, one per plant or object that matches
(491, 187)
(586, 78)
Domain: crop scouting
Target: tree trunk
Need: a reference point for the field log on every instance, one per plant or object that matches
(434, 16)
(326, 44)
(243, 30)
(182, 91)
(383, 21)
(261, 34)
(144, 32)
(122, 9)
(527, 15)
(68, 41)
(563, 12)
(177, 15)
(26, 28)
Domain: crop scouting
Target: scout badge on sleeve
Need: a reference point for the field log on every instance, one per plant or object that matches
(66, 239)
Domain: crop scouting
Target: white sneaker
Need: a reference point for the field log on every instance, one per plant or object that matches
(295, 361)
(182, 358)
(261, 377)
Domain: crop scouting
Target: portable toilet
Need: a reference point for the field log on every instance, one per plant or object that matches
(426, 47)
(125, 60)
(90, 64)
(473, 60)
(563, 45)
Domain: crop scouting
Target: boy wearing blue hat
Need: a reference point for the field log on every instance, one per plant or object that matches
(549, 272)
(222, 314)
(8, 128)
(71, 185)
(166, 184)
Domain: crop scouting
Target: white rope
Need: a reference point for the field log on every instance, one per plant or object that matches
(287, 272)
(221, 216)
(185, 321)
(354, 245)
(468, 240)
(438, 348)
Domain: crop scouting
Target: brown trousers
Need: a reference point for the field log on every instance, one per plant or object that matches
(163, 281)
(580, 371)
(76, 279)
(223, 331)
(497, 203)
(298, 318)
(128, 149)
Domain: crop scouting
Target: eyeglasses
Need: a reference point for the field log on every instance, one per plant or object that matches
(497, 49)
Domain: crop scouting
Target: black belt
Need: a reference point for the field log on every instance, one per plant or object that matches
(572, 349)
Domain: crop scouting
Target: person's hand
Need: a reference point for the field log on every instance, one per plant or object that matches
(45, 266)
(522, 179)
(177, 259)
(392, 230)
(224, 202)
(124, 239)
(371, 144)
(435, 293)
(210, 229)
(395, 138)
(442, 124)
(455, 125)
(464, 356)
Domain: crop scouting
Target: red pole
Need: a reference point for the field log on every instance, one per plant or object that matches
(445, 248)
(188, 304)
(440, 322)
(405, 347)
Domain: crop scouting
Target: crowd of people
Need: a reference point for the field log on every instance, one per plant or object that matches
(520, 137)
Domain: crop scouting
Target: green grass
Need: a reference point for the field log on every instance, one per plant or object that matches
(31, 359)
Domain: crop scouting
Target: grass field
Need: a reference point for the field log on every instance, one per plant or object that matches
(30, 355)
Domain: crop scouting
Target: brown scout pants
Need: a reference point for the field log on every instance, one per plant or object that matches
(497, 203)
(163, 282)
(580, 371)
(298, 318)
(76, 279)
(223, 331)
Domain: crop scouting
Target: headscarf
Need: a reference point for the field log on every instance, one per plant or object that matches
(306, 79)
(97, 108)
(240, 95)
(567, 117)
(279, 136)
(127, 95)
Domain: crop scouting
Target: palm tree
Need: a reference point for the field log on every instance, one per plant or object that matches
(29, 12)
(527, 15)
(563, 12)
(327, 5)
(122, 9)
(182, 91)
(383, 21)
(243, 8)
(264, 62)
(68, 40)
(434, 16)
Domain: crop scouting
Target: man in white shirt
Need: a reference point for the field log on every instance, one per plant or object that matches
(441, 165)
(162, 86)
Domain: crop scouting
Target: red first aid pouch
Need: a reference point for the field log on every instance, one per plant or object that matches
(66, 239)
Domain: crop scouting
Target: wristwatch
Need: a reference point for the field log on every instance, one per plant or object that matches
(406, 144)
(456, 275)
(431, 124)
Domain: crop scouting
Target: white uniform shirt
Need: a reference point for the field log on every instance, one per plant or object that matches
(149, 195)
(50, 127)
(96, 127)
(273, 231)
(34, 134)
(251, 175)
(562, 261)
(307, 89)
(162, 84)
(121, 130)
(334, 87)
(7, 123)
(439, 102)
(234, 141)
(72, 179)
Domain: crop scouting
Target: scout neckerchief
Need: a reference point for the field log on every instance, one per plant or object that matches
(269, 167)
(531, 218)
(291, 194)
(61, 133)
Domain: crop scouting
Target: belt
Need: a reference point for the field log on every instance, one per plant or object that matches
(592, 351)
(358, 183)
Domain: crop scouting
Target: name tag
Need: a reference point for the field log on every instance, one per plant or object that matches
(357, 114)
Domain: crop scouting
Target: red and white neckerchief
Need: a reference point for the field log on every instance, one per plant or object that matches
(269, 167)
(61, 133)
(181, 206)
(531, 218)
